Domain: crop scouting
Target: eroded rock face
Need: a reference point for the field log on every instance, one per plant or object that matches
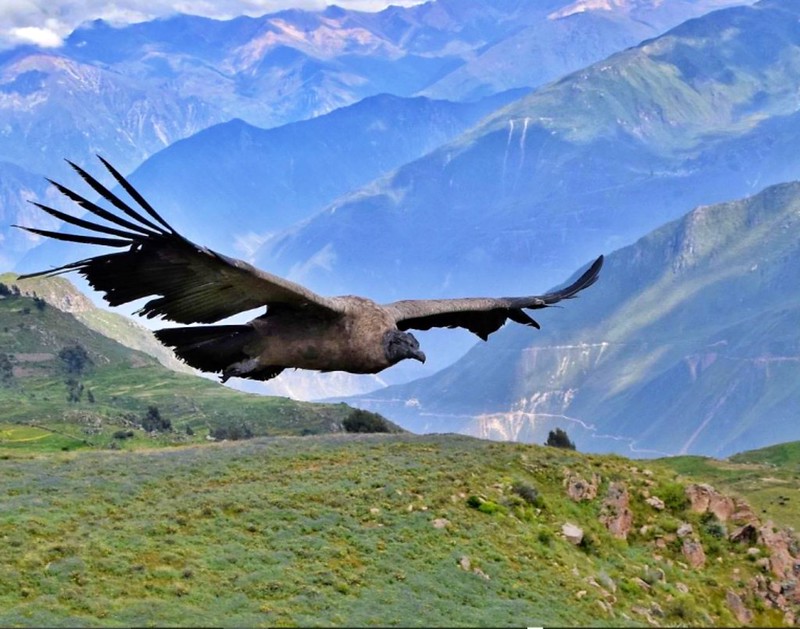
(616, 514)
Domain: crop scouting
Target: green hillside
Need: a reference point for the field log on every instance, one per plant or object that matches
(363, 530)
(81, 388)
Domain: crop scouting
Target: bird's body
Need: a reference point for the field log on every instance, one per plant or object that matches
(299, 329)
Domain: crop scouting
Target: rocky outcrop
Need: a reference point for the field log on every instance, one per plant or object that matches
(616, 514)
(705, 499)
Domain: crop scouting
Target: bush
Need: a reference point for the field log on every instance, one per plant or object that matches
(123, 434)
(558, 438)
(364, 421)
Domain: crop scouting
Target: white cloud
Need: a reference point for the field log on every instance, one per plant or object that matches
(47, 22)
(43, 37)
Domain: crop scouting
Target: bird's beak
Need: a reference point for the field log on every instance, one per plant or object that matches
(418, 355)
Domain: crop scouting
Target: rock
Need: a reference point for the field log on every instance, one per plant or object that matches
(656, 503)
(641, 583)
(572, 533)
(684, 529)
(616, 514)
(753, 551)
(465, 563)
(481, 574)
(579, 489)
(440, 523)
(607, 582)
(777, 541)
(704, 498)
(735, 604)
(580, 594)
(682, 587)
(694, 553)
(746, 534)
(374, 511)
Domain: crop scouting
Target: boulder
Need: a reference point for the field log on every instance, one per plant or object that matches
(572, 533)
(694, 553)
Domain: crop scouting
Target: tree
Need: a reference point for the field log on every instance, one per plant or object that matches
(364, 421)
(6, 369)
(75, 359)
(559, 439)
(153, 422)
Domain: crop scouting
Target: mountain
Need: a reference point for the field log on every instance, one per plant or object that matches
(61, 377)
(688, 343)
(62, 294)
(583, 165)
(374, 530)
(128, 92)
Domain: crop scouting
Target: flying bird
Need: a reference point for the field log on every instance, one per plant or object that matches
(191, 284)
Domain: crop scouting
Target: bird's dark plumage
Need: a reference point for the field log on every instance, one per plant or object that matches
(188, 284)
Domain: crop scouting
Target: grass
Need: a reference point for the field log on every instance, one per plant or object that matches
(328, 530)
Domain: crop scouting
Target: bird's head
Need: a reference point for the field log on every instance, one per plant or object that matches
(399, 345)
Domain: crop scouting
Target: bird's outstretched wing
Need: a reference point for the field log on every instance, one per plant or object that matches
(192, 284)
(483, 315)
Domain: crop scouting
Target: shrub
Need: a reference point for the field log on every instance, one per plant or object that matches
(527, 492)
(364, 421)
(558, 438)
(233, 432)
(674, 497)
(123, 434)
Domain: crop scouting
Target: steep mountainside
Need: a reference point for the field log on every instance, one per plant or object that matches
(578, 167)
(689, 343)
(128, 92)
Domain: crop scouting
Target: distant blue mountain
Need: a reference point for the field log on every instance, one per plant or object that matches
(688, 343)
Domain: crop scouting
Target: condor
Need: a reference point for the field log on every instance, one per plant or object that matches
(191, 284)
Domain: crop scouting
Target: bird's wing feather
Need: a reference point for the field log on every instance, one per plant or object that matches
(483, 315)
(190, 283)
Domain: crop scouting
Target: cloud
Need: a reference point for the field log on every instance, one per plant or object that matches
(47, 22)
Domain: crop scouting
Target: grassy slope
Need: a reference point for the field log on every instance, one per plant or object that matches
(339, 530)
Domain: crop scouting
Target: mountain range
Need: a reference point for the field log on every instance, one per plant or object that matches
(689, 343)
(130, 91)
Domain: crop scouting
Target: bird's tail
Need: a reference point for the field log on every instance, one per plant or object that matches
(218, 349)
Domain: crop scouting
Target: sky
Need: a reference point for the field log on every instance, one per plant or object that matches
(47, 22)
